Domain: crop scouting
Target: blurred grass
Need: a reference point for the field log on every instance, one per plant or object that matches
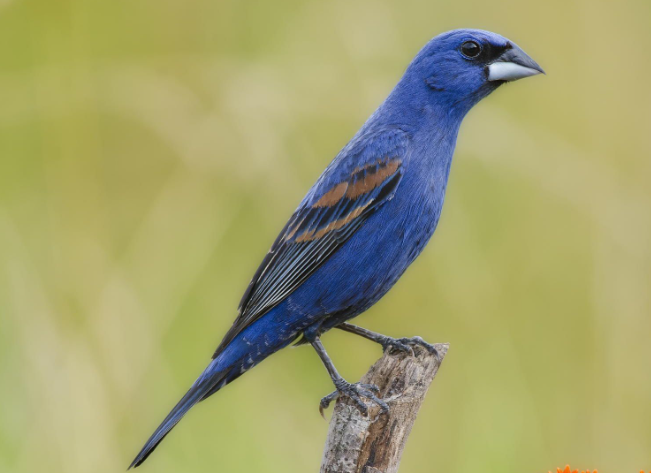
(152, 150)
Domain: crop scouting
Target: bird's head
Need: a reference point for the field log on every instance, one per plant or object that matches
(458, 68)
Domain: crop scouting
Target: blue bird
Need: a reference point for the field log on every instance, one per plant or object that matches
(364, 221)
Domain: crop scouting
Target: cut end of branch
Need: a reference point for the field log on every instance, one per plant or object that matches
(374, 443)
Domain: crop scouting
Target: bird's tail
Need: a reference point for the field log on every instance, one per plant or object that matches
(208, 383)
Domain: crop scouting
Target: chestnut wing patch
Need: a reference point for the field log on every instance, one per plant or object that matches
(312, 235)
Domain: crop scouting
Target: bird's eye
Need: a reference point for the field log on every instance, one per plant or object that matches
(470, 49)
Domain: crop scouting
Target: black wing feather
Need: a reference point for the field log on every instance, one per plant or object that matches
(312, 235)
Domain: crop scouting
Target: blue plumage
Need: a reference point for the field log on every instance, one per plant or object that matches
(367, 217)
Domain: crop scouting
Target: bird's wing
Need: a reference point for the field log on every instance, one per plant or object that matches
(330, 214)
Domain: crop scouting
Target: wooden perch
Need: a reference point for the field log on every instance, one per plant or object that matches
(374, 444)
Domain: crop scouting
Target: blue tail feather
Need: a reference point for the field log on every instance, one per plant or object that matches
(207, 384)
(240, 355)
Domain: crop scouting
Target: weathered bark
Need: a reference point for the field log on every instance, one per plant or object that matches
(374, 444)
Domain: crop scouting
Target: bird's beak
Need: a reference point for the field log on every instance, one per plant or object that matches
(513, 64)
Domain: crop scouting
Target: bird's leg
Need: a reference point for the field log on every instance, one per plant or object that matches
(388, 343)
(354, 391)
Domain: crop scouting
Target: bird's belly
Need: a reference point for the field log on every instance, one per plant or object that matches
(369, 264)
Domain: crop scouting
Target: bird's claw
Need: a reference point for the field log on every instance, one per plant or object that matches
(406, 345)
(397, 345)
(355, 392)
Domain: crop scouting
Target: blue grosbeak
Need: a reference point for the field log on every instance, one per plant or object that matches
(364, 221)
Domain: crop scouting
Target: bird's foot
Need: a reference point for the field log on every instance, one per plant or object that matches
(355, 392)
(406, 345)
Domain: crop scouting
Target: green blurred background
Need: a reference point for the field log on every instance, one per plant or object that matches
(150, 151)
